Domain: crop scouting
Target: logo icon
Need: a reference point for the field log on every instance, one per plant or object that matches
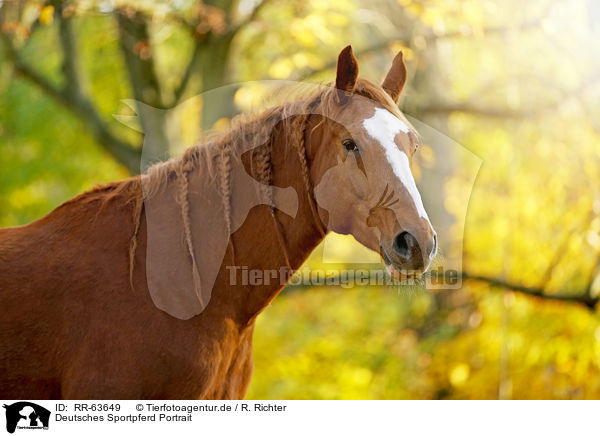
(26, 415)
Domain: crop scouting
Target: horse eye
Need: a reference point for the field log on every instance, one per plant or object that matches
(350, 145)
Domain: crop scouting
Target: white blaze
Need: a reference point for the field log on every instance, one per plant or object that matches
(384, 126)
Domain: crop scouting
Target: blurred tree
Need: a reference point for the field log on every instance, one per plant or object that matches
(211, 28)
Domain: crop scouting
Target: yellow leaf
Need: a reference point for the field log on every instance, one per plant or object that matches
(459, 374)
(281, 69)
(47, 15)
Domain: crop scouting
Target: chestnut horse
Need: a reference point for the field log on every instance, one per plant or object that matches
(78, 319)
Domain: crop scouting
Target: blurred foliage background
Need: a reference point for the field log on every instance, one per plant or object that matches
(517, 83)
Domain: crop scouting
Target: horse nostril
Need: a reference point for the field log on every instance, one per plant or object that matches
(403, 242)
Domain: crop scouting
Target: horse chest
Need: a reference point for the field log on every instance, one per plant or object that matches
(220, 367)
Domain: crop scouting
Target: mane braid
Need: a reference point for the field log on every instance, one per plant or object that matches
(137, 221)
(187, 164)
(225, 185)
(301, 149)
(265, 154)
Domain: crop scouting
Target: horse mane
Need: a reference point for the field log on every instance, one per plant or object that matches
(218, 153)
(245, 126)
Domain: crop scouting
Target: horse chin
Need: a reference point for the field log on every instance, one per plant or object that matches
(402, 275)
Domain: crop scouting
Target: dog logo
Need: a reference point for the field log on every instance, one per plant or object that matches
(26, 415)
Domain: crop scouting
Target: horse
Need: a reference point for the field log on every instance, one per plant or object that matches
(106, 297)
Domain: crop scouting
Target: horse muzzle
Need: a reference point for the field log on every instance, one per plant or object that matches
(404, 258)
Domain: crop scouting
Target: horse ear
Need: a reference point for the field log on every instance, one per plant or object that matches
(347, 73)
(396, 78)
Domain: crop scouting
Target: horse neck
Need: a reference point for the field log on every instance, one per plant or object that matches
(256, 245)
(190, 199)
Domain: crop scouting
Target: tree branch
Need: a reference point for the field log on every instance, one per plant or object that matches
(137, 50)
(593, 273)
(583, 298)
(562, 251)
(191, 66)
(212, 43)
(381, 45)
(489, 31)
(504, 112)
(70, 57)
(27, 72)
(472, 109)
(71, 96)
(134, 40)
(499, 30)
